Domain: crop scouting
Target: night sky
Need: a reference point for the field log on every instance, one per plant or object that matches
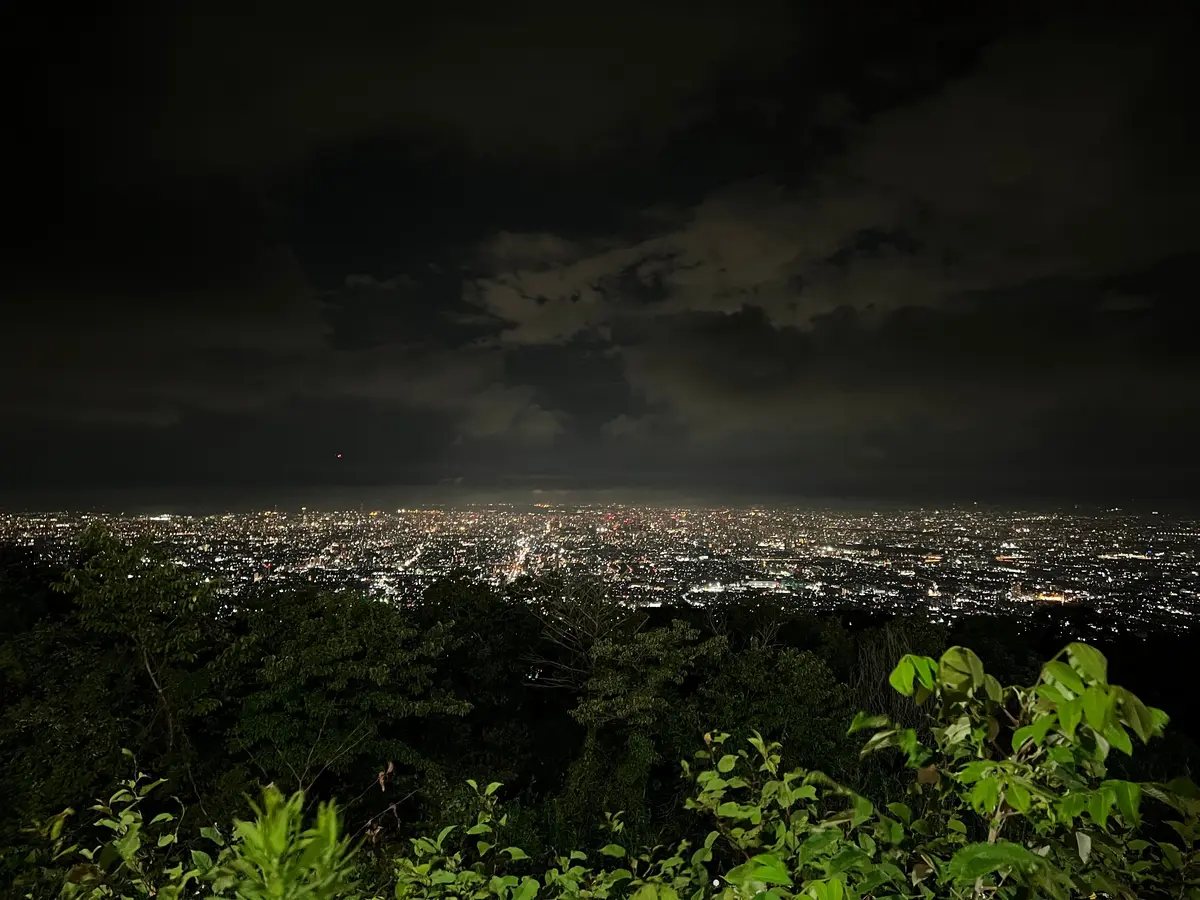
(752, 249)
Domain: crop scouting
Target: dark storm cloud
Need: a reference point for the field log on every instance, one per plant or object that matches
(1032, 166)
(149, 300)
(948, 276)
(267, 88)
(737, 248)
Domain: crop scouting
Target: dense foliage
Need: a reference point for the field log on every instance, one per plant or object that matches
(583, 709)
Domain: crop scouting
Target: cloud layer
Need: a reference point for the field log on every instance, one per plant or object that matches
(558, 248)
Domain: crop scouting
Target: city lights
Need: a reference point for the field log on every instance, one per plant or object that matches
(1134, 571)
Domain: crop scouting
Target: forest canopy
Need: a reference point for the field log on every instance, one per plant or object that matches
(364, 729)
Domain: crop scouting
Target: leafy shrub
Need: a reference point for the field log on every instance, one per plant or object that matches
(271, 857)
(1009, 797)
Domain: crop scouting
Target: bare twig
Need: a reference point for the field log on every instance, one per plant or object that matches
(161, 696)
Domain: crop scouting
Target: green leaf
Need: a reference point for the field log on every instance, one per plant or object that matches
(491, 788)
(1018, 796)
(863, 721)
(769, 869)
(1171, 854)
(1129, 799)
(164, 839)
(973, 771)
(985, 795)
(201, 861)
(830, 889)
(1083, 841)
(902, 676)
(528, 889)
(820, 841)
(1020, 736)
(994, 691)
(1041, 726)
(1096, 704)
(1089, 661)
(1098, 805)
(976, 860)
(213, 835)
(147, 788)
(926, 670)
(901, 812)
(1064, 675)
(515, 853)
(1137, 715)
(162, 817)
(1119, 738)
(879, 740)
(1049, 691)
(728, 761)
(57, 823)
(613, 850)
(1069, 714)
(482, 847)
(960, 669)
(849, 857)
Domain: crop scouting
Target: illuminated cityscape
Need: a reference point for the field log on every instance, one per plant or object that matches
(1134, 571)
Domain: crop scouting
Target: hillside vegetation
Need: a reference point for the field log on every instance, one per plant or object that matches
(545, 742)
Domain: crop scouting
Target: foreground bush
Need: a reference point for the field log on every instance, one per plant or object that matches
(1008, 797)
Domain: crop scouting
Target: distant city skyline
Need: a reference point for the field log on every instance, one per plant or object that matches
(1133, 571)
(143, 501)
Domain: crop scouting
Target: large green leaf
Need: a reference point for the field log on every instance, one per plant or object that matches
(1070, 712)
(902, 676)
(1096, 705)
(926, 670)
(527, 890)
(1129, 798)
(1136, 714)
(831, 889)
(1065, 675)
(1099, 804)
(763, 869)
(1089, 661)
(863, 721)
(960, 669)
(976, 860)
(1119, 738)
